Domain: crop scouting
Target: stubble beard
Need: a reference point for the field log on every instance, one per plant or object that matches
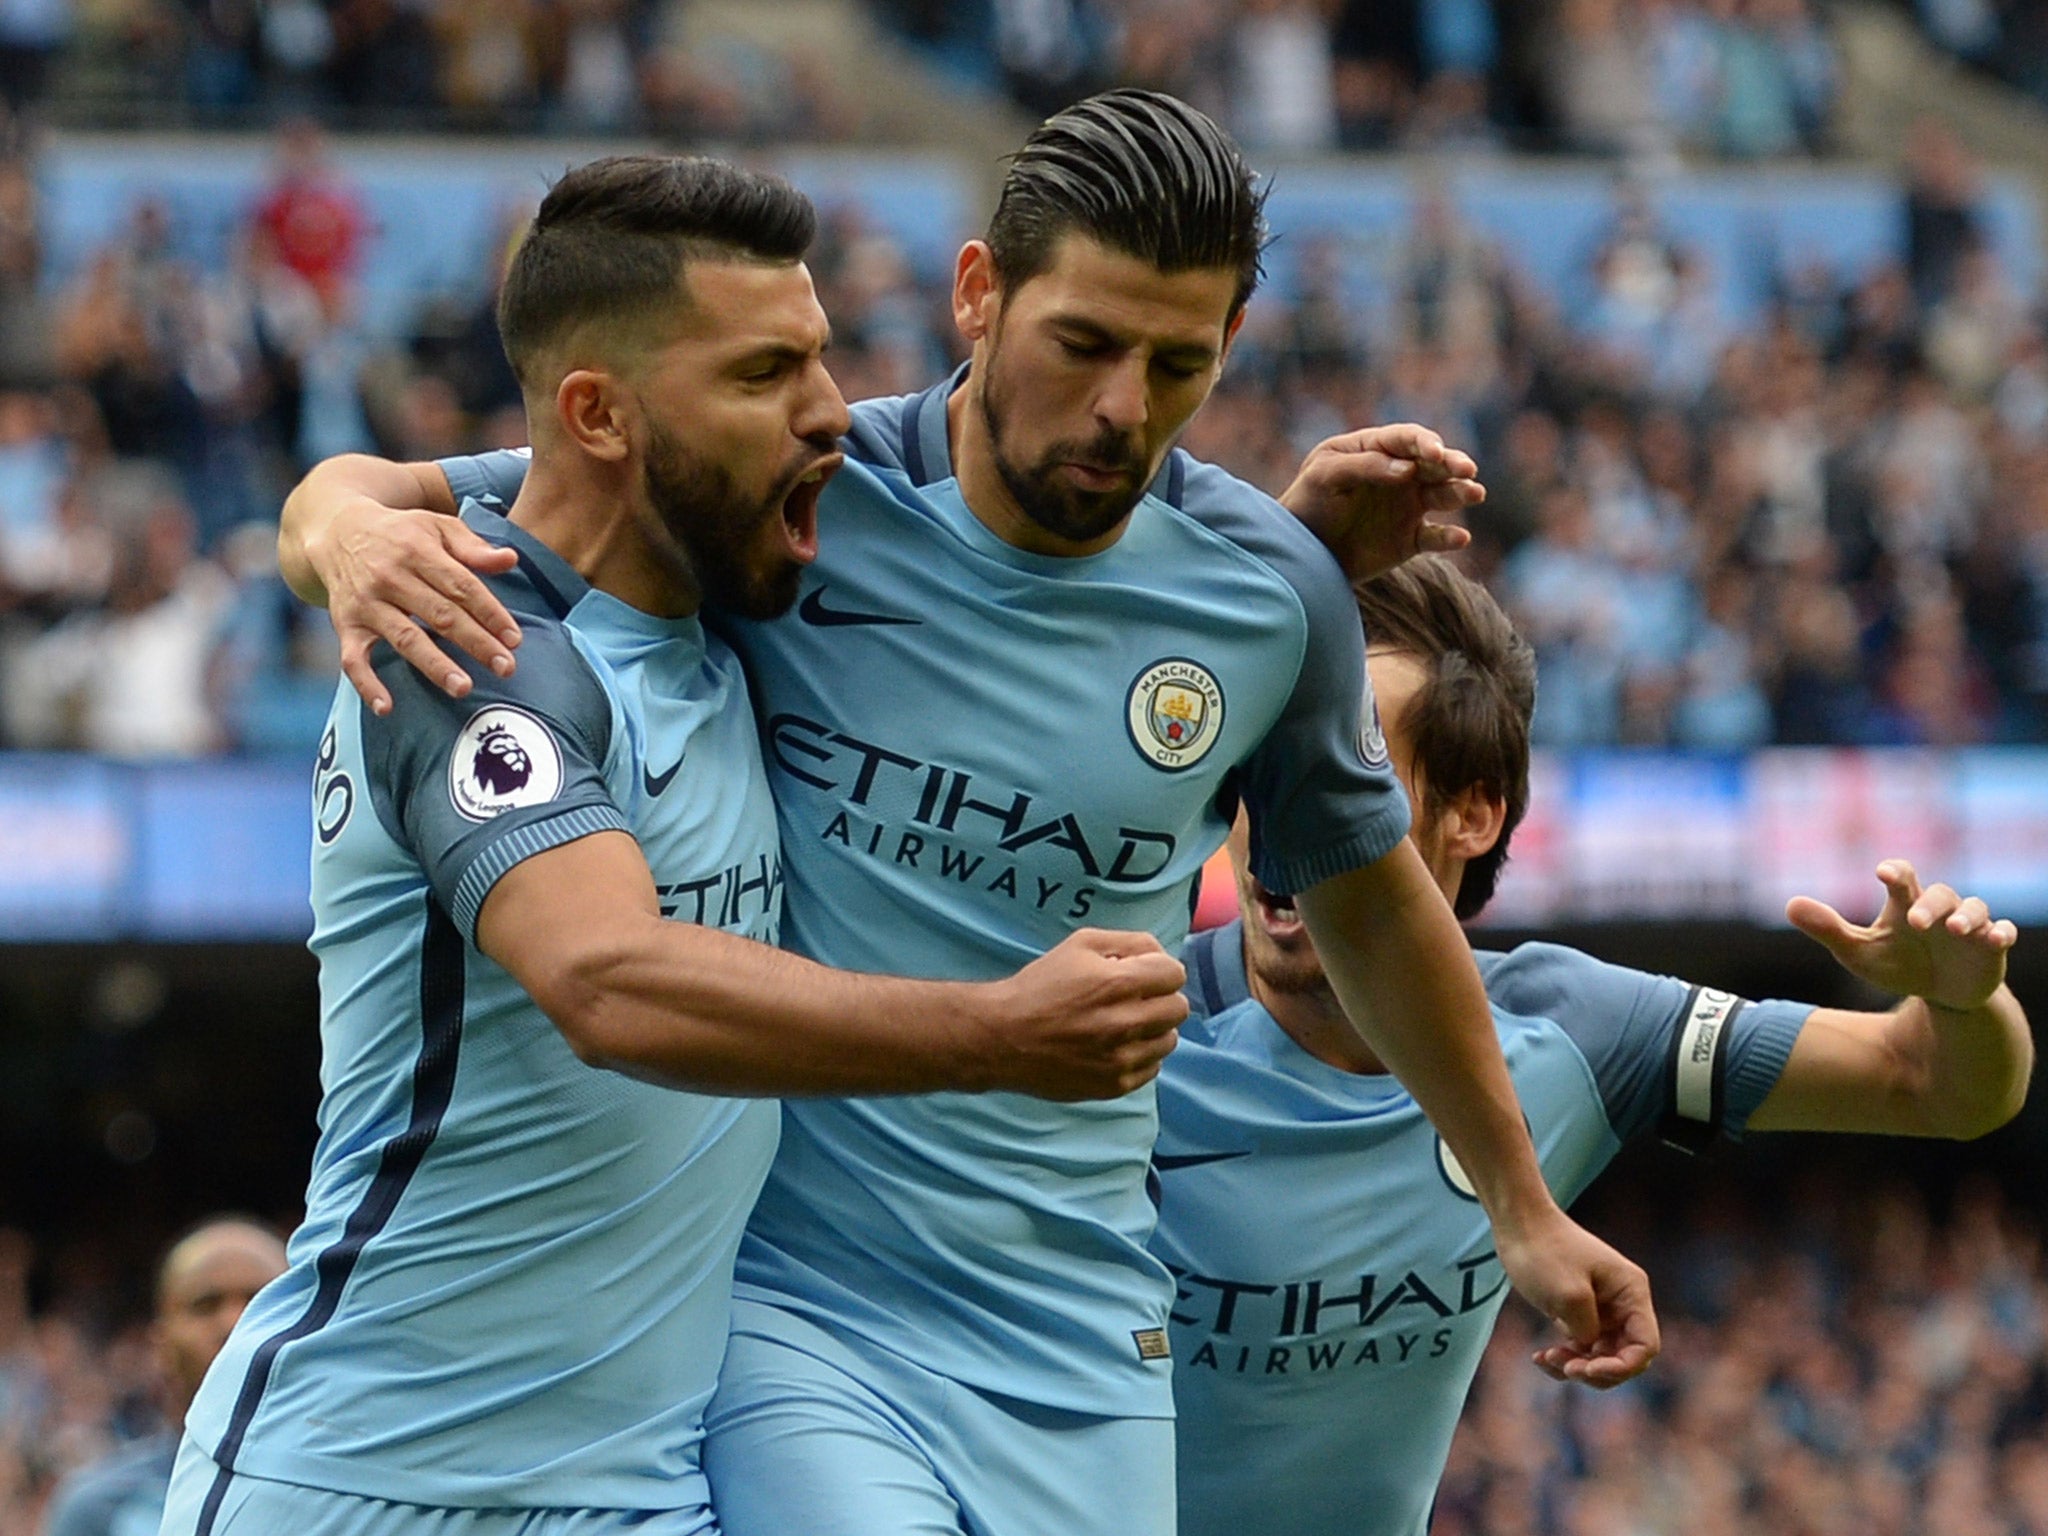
(1067, 512)
(715, 529)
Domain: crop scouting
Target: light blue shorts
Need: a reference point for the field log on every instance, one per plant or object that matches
(815, 1434)
(205, 1501)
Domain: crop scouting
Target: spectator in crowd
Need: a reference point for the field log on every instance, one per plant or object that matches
(204, 1282)
(313, 218)
(131, 679)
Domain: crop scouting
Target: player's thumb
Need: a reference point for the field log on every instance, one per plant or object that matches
(1118, 944)
(1819, 922)
(1577, 1312)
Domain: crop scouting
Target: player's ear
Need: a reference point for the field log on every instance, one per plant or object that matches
(1472, 821)
(594, 413)
(977, 293)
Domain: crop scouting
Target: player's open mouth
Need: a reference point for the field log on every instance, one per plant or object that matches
(800, 507)
(1276, 914)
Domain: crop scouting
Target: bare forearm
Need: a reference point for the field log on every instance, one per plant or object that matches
(694, 1008)
(329, 485)
(1977, 1062)
(1401, 967)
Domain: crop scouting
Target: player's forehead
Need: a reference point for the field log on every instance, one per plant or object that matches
(732, 306)
(1087, 282)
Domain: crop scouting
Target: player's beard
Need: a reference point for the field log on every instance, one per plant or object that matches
(1285, 971)
(1064, 510)
(722, 535)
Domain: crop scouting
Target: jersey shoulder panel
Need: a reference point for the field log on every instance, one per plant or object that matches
(1320, 788)
(472, 787)
(884, 435)
(492, 479)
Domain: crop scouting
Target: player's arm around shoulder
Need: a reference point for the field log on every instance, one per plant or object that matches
(1953, 1059)
(580, 928)
(379, 545)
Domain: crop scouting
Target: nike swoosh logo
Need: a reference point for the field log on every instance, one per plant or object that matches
(1166, 1163)
(812, 610)
(654, 784)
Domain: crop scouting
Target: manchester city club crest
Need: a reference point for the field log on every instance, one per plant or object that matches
(503, 759)
(1175, 713)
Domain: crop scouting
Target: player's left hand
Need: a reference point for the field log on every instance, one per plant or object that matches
(1932, 944)
(1598, 1297)
(1369, 496)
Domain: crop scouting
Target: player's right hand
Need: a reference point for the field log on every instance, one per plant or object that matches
(1091, 1019)
(394, 575)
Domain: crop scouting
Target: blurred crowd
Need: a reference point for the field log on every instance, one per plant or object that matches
(1839, 1360)
(1839, 1363)
(1825, 527)
(1644, 78)
(528, 66)
(1736, 78)
(1823, 522)
(2007, 39)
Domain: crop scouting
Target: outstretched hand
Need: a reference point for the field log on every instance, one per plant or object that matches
(1931, 944)
(395, 575)
(1370, 495)
(1597, 1297)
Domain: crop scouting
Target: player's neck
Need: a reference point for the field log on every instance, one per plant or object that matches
(981, 483)
(602, 534)
(1315, 1021)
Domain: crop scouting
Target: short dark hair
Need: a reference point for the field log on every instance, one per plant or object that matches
(1470, 720)
(611, 238)
(1140, 172)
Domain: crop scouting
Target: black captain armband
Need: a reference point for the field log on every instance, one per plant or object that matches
(1696, 1068)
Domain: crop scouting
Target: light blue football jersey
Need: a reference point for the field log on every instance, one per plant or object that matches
(1336, 1280)
(976, 750)
(513, 1283)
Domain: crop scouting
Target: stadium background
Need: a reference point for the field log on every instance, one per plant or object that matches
(1741, 302)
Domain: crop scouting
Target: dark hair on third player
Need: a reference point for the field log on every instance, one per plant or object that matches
(611, 238)
(1141, 173)
(1469, 721)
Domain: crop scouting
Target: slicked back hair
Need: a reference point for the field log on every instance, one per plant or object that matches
(611, 239)
(1469, 721)
(1141, 173)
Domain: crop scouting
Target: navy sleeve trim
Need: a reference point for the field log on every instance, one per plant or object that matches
(1380, 837)
(1696, 1068)
(515, 848)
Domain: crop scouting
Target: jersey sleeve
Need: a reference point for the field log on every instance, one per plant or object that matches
(1681, 1061)
(491, 478)
(1319, 787)
(475, 786)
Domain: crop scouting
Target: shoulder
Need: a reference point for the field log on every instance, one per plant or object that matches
(884, 434)
(556, 687)
(1553, 981)
(490, 478)
(1243, 515)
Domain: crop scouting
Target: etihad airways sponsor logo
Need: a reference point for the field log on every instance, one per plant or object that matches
(1302, 1327)
(963, 827)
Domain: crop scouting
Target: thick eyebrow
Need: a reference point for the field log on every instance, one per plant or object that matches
(778, 351)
